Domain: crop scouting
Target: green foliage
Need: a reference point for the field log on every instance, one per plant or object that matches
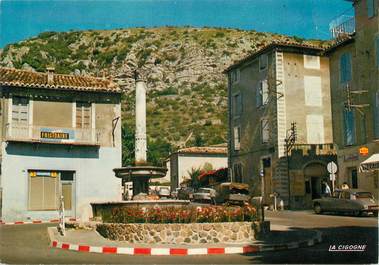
(299, 39)
(199, 140)
(47, 34)
(128, 146)
(194, 174)
(168, 91)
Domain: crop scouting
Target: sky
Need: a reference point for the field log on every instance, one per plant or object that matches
(21, 19)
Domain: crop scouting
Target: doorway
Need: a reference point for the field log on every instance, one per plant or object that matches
(354, 178)
(68, 192)
(314, 173)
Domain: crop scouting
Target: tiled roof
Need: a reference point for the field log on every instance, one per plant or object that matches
(339, 42)
(203, 150)
(23, 78)
(274, 44)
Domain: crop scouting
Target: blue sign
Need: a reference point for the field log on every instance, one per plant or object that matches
(57, 135)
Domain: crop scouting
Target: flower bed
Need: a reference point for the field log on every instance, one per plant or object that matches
(166, 215)
(190, 225)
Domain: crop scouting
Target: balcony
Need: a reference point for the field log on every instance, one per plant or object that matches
(342, 26)
(54, 135)
(314, 149)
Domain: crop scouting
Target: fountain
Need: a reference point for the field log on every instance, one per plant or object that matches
(141, 172)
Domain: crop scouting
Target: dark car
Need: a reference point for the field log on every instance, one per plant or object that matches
(352, 201)
(185, 193)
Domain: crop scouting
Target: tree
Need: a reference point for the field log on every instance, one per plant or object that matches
(194, 174)
(127, 138)
(199, 141)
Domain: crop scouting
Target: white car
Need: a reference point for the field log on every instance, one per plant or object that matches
(164, 192)
(205, 194)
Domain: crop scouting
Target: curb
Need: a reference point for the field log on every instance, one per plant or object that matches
(35, 222)
(188, 251)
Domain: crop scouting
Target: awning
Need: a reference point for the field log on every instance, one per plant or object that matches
(370, 164)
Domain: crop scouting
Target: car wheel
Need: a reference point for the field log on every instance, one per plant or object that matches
(317, 208)
(357, 213)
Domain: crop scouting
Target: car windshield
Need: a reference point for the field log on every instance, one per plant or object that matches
(204, 191)
(363, 195)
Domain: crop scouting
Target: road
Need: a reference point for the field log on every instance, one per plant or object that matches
(30, 244)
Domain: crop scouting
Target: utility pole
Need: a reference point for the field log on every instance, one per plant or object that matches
(290, 142)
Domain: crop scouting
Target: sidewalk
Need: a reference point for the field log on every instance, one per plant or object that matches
(280, 238)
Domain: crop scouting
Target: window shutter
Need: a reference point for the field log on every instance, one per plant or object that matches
(258, 96)
(265, 130)
(349, 127)
(345, 68)
(348, 67)
(264, 92)
(237, 138)
(370, 8)
(377, 51)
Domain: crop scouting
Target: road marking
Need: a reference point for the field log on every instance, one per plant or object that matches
(160, 251)
(233, 250)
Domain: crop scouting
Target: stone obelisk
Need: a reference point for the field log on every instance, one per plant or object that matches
(140, 134)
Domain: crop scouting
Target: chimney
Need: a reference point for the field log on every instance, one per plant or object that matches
(50, 75)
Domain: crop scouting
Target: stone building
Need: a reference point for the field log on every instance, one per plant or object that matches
(60, 135)
(186, 159)
(354, 71)
(281, 84)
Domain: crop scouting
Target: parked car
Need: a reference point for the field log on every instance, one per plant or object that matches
(164, 192)
(353, 201)
(174, 193)
(232, 193)
(185, 193)
(205, 194)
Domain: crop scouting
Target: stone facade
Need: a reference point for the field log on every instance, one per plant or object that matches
(357, 95)
(268, 91)
(200, 233)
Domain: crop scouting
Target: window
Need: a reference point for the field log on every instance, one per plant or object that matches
(312, 91)
(235, 76)
(376, 115)
(311, 62)
(345, 68)
(20, 110)
(315, 129)
(237, 104)
(237, 172)
(349, 122)
(43, 190)
(370, 8)
(263, 62)
(262, 93)
(265, 130)
(83, 115)
(237, 137)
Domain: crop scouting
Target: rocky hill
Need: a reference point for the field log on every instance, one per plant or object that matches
(182, 66)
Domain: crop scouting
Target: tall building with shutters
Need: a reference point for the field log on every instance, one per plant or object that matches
(354, 71)
(281, 84)
(60, 136)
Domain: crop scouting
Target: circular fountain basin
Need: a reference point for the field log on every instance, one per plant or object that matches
(128, 173)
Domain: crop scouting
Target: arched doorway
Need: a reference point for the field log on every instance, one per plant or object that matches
(314, 173)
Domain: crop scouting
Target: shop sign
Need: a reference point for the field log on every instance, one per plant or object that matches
(351, 157)
(54, 135)
(363, 151)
